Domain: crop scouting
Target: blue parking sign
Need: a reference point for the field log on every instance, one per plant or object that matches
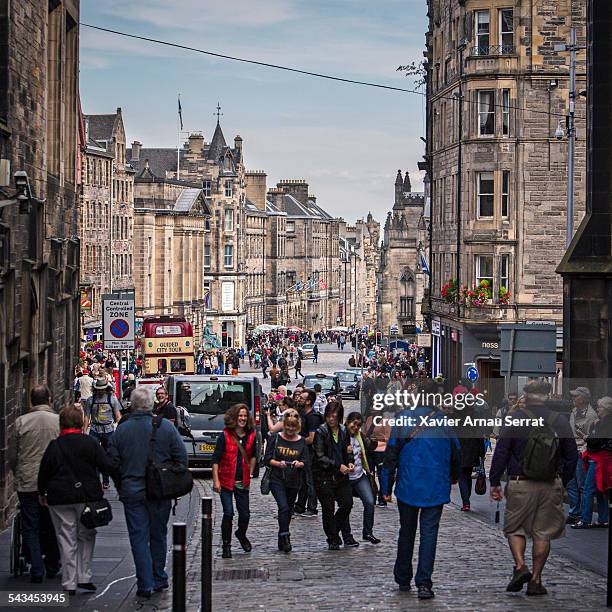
(472, 374)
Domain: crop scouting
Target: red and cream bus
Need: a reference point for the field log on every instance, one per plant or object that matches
(167, 346)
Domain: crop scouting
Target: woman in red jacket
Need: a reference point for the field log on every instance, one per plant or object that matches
(233, 464)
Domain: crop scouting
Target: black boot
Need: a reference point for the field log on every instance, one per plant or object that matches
(227, 551)
(281, 543)
(288, 547)
(244, 541)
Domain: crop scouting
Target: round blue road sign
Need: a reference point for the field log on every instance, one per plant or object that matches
(119, 328)
(472, 374)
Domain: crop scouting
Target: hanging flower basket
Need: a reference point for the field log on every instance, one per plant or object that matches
(504, 296)
(449, 291)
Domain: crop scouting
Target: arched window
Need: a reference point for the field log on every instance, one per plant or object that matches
(407, 294)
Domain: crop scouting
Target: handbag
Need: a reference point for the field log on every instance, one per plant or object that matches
(265, 479)
(167, 480)
(480, 487)
(95, 513)
(373, 484)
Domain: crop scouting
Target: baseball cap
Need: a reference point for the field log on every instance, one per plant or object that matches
(582, 392)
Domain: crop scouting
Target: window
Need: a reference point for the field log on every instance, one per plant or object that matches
(506, 30)
(207, 256)
(486, 112)
(505, 196)
(506, 112)
(229, 220)
(290, 227)
(229, 188)
(207, 188)
(228, 256)
(484, 269)
(486, 192)
(483, 32)
(504, 274)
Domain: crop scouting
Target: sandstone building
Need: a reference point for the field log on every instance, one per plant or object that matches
(497, 92)
(401, 280)
(39, 242)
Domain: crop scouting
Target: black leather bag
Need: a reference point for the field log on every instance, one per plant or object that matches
(167, 480)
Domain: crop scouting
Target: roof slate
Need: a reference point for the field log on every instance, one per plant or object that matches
(160, 160)
(101, 126)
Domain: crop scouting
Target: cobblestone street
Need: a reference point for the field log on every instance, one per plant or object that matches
(473, 565)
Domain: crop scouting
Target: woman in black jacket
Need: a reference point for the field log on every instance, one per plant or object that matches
(70, 460)
(472, 451)
(333, 460)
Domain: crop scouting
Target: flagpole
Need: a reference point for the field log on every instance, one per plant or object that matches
(178, 140)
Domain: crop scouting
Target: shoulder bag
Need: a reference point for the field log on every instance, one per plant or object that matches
(265, 479)
(167, 480)
(95, 513)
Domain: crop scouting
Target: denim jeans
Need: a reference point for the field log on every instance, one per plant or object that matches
(147, 523)
(244, 514)
(429, 521)
(38, 536)
(330, 493)
(103, 439)
(285, 500)
(465, 484)
(590, 489)
(574, 490)
(363, 489)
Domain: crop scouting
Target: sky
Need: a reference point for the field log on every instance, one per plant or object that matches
(347, 141)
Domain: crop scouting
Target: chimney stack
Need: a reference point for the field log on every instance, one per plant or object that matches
(298, 188)
(256, 187)
(136, 146)
(196, 143)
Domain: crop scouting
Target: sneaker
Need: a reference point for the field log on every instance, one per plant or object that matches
(309, 514)
(244, 541)
(425, 592)
(299, 512)
(144, 594)
(570, 520)
(465, 508)
(601, 525)
(333, 546)
(581, 525)
(161, 587)
(350, 542)
(536, 588)
(87, 586)
(372, 539)
(381, 504)
(404, 588)
(519, 578)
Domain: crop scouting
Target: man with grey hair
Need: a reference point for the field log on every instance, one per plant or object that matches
(581, 421)
(147, 520)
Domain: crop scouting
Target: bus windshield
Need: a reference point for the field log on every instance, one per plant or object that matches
(212, 397)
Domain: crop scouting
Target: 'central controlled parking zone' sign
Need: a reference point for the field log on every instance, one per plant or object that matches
(118, 322)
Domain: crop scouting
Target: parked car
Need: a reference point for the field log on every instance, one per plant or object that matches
(350, 385)
(308, 350)
(330, 383)
(357, 370)
(206, 397)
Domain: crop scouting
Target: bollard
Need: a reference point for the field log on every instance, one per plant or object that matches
(207, 535)
(179, 563)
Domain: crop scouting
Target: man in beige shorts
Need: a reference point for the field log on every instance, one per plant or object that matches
(534, 503)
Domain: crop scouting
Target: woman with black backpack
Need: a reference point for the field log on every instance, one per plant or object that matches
(286, 457)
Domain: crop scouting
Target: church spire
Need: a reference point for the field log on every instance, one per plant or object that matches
(407, 185)
(398, 187)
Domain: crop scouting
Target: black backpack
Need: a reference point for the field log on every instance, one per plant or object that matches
(540, 460)
(167, 480)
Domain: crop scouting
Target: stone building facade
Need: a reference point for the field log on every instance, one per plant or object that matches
(171, 242)
(358, 270)
(108, 132)
(501, 217)
(39, 242)
(401, 280)
(95, 222)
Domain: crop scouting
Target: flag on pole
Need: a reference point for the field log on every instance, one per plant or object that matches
(424, 266)
(180, 111)
(322, 284)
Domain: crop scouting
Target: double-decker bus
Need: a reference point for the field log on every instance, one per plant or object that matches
(167, 346)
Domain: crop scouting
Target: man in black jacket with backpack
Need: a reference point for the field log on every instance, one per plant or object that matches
(540, 459)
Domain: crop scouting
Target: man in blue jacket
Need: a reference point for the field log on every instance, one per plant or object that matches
(425, 460)
(147, 520)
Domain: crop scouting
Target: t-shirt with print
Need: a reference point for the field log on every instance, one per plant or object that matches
(357, 459)
(288, 451)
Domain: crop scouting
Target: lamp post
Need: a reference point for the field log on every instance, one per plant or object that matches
(570, 131)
